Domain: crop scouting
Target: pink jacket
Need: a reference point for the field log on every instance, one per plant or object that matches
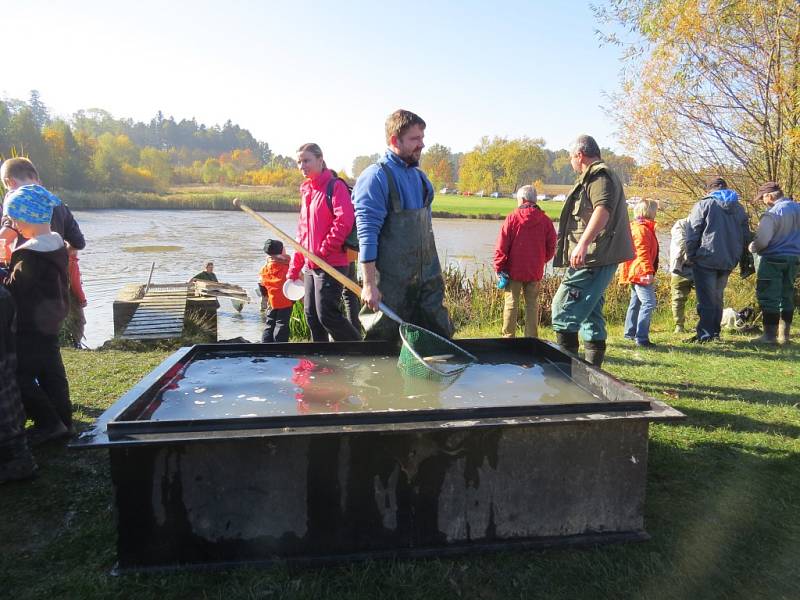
(320, 231)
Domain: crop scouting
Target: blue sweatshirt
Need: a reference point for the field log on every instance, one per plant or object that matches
(371, 199)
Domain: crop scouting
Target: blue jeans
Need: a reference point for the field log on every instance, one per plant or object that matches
(578, 302)
(709, 285)
(640, 312)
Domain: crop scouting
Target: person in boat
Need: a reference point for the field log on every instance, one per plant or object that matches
(207, 274)
(397, 250)
(326, 218)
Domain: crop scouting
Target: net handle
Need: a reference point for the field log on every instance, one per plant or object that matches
(330, 270)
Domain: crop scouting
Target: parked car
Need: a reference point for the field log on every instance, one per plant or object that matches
(480, 194)
(466, 193)
(495, 195)
(560, 198)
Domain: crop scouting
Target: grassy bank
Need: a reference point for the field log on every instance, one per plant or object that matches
(274, 199)
(485, 208)
(264, 199)
(723, 493)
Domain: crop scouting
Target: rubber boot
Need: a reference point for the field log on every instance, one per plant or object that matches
(568, 340)
(770, 335)
(785, 327)
(595, 352)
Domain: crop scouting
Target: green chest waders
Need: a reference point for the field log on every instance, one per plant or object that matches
(410, 276)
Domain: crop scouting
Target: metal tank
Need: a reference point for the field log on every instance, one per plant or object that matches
(326, 476)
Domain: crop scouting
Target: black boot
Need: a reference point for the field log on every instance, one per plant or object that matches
(770, 335)
(568, 340)
(595, 352)
(785, 327)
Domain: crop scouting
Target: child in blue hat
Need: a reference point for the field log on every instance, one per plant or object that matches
(39, 283)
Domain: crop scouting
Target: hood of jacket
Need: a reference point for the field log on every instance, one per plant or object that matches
(724, 196)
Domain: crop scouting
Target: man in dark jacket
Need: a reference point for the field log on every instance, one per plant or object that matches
(16, 461)
(527, 240)
(594, 236)
(717, 235)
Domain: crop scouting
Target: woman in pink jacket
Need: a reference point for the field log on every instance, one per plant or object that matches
(322, 229)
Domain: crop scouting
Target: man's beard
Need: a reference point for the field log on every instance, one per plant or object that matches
(411, 157)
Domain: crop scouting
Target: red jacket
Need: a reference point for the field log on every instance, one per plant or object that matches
(75, 284)
(319, 230)
(527, 240)
(271, 277)
(645, 244)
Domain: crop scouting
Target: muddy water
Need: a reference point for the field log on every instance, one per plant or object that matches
(252, 386)
(122, 244)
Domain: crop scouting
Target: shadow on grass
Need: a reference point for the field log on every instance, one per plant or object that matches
(682, 390)
(723, 519)
(732, 349)
(712, 420)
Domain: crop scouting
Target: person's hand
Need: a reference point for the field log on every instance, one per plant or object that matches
(647, 279)
(752, 247)
(371, 296)
(577, 259)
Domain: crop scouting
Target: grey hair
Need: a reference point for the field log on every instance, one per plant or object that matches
(586, 145)
(645, 209)
(526, 193)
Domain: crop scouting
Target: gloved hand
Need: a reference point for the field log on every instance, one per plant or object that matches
(502, 280)
(647, 279)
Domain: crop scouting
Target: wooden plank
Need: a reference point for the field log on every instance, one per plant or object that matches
(160, 314)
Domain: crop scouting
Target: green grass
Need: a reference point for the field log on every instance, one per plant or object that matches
(274, 199)
(196, 198)
(723, 499)
(476, 207)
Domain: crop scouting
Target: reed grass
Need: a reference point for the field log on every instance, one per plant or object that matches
(476, 305)
(270, 199)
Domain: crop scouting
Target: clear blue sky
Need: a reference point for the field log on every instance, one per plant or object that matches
(330, 72)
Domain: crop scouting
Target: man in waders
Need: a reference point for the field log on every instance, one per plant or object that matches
(392, 200)
(593, 238)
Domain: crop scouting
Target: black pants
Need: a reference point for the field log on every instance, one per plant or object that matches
(352, 303)
(277, 329)
(322, 307)
(43, 381)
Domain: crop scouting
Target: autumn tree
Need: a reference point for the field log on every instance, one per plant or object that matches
(502, 165)
(712, 87)
(362, 162)
(437, 163)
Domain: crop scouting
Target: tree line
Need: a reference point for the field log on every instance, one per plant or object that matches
(502, 165)
(94, 151)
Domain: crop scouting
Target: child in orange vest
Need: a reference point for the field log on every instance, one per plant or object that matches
(272, 276)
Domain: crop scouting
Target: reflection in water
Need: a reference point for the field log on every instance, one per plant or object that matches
(248, 386)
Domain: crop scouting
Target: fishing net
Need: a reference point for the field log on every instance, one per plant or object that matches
(427, 355)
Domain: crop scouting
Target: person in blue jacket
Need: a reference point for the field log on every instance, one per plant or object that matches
(717, 236)
(392, 200)
(777, 244)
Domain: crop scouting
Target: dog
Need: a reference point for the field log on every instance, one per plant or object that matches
(742, 320)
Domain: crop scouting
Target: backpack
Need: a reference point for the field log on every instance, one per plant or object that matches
(351, 241)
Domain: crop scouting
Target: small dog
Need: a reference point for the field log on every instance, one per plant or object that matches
(741, 320)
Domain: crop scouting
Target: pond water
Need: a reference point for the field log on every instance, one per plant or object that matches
(253, 386)
(121, 245)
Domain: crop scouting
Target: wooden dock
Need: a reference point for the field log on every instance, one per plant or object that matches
(160, 313)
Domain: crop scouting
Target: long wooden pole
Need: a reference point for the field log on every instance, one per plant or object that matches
(329, 269)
